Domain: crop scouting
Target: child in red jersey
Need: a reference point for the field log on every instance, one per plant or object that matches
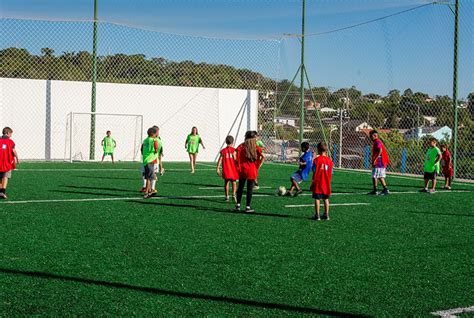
(8, 160)
(229, 170)
(447, 167)
(321, 184)
(249, 160)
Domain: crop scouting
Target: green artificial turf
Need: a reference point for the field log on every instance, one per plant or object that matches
(186, 253)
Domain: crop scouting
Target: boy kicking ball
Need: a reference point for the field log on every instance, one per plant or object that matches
(321, 183)
(305, 165)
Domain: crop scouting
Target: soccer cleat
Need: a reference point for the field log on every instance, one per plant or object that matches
(432, 191)
(297, 193)
(316, 218)
(372, 193)
(325, 217)
(256, 187)
(227, 199)
(384, 192)
(3, 196)
(423, 190)
(142, 190)
(288, 194)
(448, 188)
(237, 208)
(249, 210)
(234, 198)
(148, 195)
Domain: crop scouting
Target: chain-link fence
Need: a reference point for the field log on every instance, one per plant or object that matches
(392, 73)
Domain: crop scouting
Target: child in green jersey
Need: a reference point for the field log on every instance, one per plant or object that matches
(158, 168)
(431, 165)
(150, 153)
(108, 144)
(192, 147)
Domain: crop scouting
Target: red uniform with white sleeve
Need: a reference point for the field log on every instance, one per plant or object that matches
(229, 170)
(7, 160)
(247, 169)
(322, 176)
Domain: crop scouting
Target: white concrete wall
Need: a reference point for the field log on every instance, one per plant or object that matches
(38, 113)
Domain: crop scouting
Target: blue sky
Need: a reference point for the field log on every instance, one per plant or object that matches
(413, 49)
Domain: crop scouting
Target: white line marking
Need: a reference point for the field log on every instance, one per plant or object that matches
(186, 197)
(221, 187)
(334, 204)
(451, 313)
(133, 170)
(205, 164)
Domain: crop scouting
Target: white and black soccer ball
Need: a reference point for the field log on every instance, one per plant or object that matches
(281, 191)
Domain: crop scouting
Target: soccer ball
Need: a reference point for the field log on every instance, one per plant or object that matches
(281, 191)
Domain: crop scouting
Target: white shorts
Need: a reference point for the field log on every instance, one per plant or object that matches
(378, 173)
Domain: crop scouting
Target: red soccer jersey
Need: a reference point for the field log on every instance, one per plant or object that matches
(447, 164)
(383, 160)
(247, 169)
(7, 160)
(229, 170)
(321, 183)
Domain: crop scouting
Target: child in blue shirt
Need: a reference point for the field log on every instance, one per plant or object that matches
(305, 166)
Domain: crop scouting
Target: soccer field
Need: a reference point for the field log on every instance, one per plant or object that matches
(78, 239)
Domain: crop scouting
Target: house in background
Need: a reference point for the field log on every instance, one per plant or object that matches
(440, 133)
(286, 120)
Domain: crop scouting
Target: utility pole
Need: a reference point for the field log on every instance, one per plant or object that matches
(94, 80)
(302, 71)
(455, 85)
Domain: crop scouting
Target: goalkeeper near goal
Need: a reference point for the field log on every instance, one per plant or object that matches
(108, 144)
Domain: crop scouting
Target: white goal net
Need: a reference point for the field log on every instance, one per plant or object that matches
(126, 131)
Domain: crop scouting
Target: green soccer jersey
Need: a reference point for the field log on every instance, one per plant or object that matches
(108, 144)
(193, 142)
(160, 147)
(430, 165)
(149, 153)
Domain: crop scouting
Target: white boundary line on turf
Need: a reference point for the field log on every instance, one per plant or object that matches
(220, 188)
(334, 204)
(451, 313)
(134, 170)
(391, 174)
(205, 164)
(183, 197)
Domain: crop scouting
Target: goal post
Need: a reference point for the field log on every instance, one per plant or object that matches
(126, 130)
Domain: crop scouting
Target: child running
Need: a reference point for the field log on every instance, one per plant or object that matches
(8, 160)
(150, 159)
(229, 170)
(431, 165)
(192, 147)
(249, 160)
(305, 166)
(447, 167)
(108, 144)
(321, 184)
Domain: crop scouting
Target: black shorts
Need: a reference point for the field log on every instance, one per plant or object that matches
(149, 173)
(318, 196)
(430, 175)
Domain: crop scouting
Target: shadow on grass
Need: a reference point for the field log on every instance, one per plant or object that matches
(84, 192)
(109, 178)
(190, 295)
(210, 209)
(99, 188)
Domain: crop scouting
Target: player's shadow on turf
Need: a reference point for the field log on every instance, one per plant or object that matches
(217, 186)
(209, 209)
(83, 192)
(108, 178)
(99, 188)
(180, 294)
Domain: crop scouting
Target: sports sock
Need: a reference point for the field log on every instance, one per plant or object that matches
(144, 182)
(153, 184)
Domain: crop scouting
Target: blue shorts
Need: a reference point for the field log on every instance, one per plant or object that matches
(297, 177)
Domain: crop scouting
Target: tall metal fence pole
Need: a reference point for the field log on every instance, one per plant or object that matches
(455, 85)
(302, 70)
(94, 80)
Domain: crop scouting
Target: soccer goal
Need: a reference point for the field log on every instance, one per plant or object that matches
(126, 130)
